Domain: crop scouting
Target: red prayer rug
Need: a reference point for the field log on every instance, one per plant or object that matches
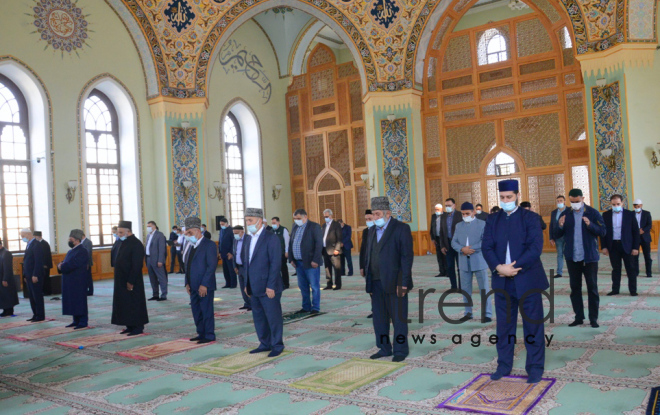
(161, 349)
(511, 395)
(21, 323)
(40, 334)
(96, 340)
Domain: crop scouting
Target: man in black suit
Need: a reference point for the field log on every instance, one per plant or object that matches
(33, 272)
(479, 209)
(369, 219)
(331, 250)
(237, 260)
(225, 246)
(448, 223)
(558, 242)
(437, 241)
(389, 279)
(528, 206)
(347, 246)
(174, 235)
(621, 243)
(205, 232)
(48, 256)
(306, 255)
(645, 223)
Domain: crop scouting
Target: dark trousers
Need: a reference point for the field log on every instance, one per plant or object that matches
(36, 297)
(452, 265)
(590, 271)
(229, 274)
(174, 257)
(267, 316)
(202, 311)
(617, 255)
(388, 307)
(285, 272)
(241, 281)
(442, 261)
(182, 266)
(346, 258)
(506, 330)
(81, 320)
(332, 264)
(90, 282)
(645, 247)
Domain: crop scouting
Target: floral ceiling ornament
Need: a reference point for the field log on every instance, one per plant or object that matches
(61, 24)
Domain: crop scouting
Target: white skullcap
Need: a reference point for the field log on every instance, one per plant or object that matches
(637, 202)
(439, 205)
(27, 230)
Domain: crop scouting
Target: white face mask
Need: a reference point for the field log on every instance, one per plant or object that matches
(149, 229)
(449, 209)
(468, 219)
(576, 206)
(298, 222)
(479, 211)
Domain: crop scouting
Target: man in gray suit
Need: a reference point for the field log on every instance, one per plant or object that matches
(467, 242)
(155, 252)
(88, 245)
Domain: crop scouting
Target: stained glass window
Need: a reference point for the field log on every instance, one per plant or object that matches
(234, 165)
(103, 171)
(15, 186)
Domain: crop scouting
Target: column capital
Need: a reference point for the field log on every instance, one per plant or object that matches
(409, 98)
(178, 108)
(625, 54)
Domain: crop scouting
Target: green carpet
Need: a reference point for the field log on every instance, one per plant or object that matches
(609, 370)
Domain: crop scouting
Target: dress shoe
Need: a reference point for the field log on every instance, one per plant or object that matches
(649, 276)
(243, 308)
(275, 353)
(536, 378)
(487, 320)
(80, 327)
(90, 294)
(204, 341)
(195, 339)
(350, 274)
(314, 312)
(499, 374)
(558, 276)
(125, 331)
(301, 311)
(5, 314)
(226, 286)
(613, 293)
(154, 298)
(378, 355)
(135, 332)
(633, 294)
(594, 324)
(259, 350)
(468, 316)
(249, 309)
(286, 287)
(398, 359)
(71, 325)
(576, 323)
(31, 319)
(294, 274)
(328, 287)
(370, 315)
(36, 320)
(162, 299)
(336, 288)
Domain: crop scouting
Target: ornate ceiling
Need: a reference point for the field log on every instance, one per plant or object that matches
(182, 36)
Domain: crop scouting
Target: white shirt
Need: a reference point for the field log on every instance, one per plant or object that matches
(327, 229)
(285, 234)
(639, 218)
(508, 251)
(151, 235)
(181, 240)
(617, 218)
(253, 241)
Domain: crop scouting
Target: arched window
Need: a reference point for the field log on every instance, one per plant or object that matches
(234, 165)
(103, 167)
(502, 165)
(493, 47)
(15, 186)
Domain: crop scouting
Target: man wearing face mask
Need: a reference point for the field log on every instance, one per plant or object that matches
(467, 242)
(283, 235)
(89, 246)
(621, 243)
(436, 237)
(364, 243)
(155, 251)
(305, 247)
(388, 267)
(33, 273)
(450, 219)
(479, 212)
(558, 243)
(239, 269)
(579, 229)
(206, 233)
(512, 247)
(48, 257)
(115, 246)
(129, 302)
(8, 293)
(645, 224)
(331, 250)
(74, 281)
(200, 280)
(262, 256)
(225, 245)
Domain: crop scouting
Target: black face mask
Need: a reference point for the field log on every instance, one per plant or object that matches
(71, 245)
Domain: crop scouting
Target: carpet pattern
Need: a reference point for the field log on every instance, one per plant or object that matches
(41, 334)
(608, 370)
(96, 340)
(161, 349)
(13, 322)
(235, 363)
(511, 395)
